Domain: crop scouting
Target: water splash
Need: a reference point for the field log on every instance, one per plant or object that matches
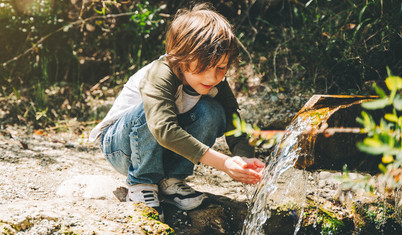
(284, 157)
(398, 204)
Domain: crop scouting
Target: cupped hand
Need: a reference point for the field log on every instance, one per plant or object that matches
(245, 170)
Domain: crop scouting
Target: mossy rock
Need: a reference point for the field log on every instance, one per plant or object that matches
(145, 220)
(6, 229)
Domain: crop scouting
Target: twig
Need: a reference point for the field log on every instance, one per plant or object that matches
(96, 86)
(274, 61)
(327, 132)
(244, 49)
(78, 22)
(70, 125)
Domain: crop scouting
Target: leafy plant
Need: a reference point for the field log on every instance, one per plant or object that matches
(331, 46)
(61, 53)
(384, 138)
(257, 137)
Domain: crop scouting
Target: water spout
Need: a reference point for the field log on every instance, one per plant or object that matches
(294, 143)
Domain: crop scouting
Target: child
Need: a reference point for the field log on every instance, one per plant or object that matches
(170, 113)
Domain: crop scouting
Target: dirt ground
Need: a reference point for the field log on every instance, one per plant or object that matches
(52, 182)
(58, 183)
(61, 175)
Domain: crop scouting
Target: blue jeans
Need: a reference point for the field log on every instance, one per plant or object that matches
(132, 150)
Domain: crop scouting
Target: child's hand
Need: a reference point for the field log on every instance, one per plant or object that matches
(245, 170)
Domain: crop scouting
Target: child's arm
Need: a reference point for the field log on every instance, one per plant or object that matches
(245, 170)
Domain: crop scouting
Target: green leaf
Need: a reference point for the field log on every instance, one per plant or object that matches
(238, 133)
(391, 117)
(360, 120)
(382, 168)
(398, 102)
(393, 83)
(362, 12)
(380, 92)
(243, 126)
(389, 73)
(376, 104)
(366, 121)
(371, 149)
(387, 159)
(372, 142)
(236, 121)
(345, 169)
(230, 133)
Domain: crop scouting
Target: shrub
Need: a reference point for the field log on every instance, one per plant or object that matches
(329, 46)
(55, 51)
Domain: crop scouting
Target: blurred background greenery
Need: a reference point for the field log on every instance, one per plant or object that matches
(58, 58)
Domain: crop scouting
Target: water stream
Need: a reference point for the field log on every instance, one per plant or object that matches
(284, 157)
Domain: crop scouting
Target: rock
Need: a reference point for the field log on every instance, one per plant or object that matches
(299, 194)
(217, 215)
(210, 220)
(84, 217)
(398, 204)
(121, 193)
(89, 187)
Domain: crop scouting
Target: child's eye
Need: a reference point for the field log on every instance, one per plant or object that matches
(222, 68)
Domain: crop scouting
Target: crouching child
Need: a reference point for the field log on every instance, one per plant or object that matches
(170, 112)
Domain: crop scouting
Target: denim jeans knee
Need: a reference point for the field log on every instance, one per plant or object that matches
(115, 145)
(206, 122)
(133, 151)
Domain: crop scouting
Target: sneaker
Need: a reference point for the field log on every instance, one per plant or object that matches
(146, 193)
(178, 193)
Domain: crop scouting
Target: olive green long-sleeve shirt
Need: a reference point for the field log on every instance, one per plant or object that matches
(164, 97)
(159, 92)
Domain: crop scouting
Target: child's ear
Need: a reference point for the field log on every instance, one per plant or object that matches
(178, 72)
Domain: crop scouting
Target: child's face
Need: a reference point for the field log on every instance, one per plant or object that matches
(203, 82)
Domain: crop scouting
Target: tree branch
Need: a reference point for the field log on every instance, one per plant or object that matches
(65, 27)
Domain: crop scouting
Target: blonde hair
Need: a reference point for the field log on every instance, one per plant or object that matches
(200, 34)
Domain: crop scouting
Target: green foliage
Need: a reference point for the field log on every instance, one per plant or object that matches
(332, 46)
(326, 46)
(355, 184)
(384, 138)
(67, 47)
(379, 214)
(261, 139)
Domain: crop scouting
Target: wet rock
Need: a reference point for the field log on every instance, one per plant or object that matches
(398, 204)
(313, 203)
(324, 150)
(217, 215)
(212, 219)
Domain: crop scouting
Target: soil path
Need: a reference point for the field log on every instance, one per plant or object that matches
(54, 183)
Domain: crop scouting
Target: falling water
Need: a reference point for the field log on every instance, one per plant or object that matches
(398, 204)
(284, 157)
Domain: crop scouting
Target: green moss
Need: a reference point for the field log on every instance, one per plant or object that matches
(148, 219)
(327, 222)
(6, 229)
(170, 231)
(377, 213)
(68, 233)
(331, 225)
(150, 213)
